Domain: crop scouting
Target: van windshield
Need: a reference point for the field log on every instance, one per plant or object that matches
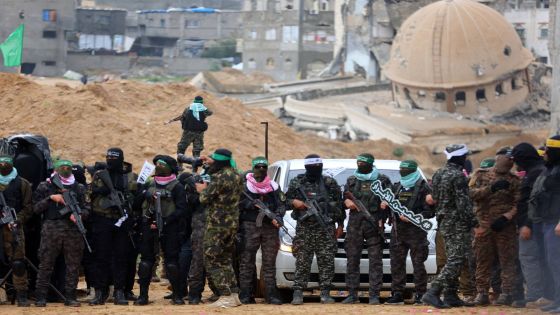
(342, 174)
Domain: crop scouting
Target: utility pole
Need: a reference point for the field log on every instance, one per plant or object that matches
(555, 61)
(265, 123)
(300, 65)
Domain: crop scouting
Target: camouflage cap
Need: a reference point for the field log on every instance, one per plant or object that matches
(7, 159)
(487, 162)
(505, 151)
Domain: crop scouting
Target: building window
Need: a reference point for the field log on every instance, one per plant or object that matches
(49, 34)
(397, 89)
(270, 63)
(499, 89)
(324, 5)
(543, 33)
(49, 63)
(507, 50)
(481, 95)
(162, 22)
(290, 34)
(192, 23)
(516, 84)
(440, 97)
(252, 64)
(49, 15)
(288, 64)
(460, 98)
(521, 32)
(270, 34)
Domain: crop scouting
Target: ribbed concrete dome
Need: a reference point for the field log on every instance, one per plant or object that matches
(455, 43)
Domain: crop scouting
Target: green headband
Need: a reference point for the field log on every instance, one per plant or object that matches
(164, 163)
(7, 159)
(409, 164)
(61, 163)
(259, 160)
(361, 158)
(221, 157)
(488, 162)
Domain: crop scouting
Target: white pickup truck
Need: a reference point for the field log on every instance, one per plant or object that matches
(340, 169)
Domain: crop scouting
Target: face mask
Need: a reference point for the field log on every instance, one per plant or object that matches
(6, 169)
(114, 165)
(405, 171)
(521, 174)
(364, 168)
(64, 172)
(162, 170)
(259, 173)
(314, 171)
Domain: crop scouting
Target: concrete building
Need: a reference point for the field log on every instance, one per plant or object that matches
(458, 56)
(134, 5)
(530, 19)
(47, 24)
(100, 31)
(272, 41)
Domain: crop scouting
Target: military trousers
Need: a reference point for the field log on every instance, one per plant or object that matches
(197, 274)
(405, 239)
(194, 137)
(15, 251)
(219, 248)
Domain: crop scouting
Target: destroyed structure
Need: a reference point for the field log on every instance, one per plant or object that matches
(274, 45)
(458, 56)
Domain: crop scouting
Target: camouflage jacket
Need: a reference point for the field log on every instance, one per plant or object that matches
(451, 194)
(18, 196)
(489, 206)
(326, 192)
(362, 191)
(221, 198)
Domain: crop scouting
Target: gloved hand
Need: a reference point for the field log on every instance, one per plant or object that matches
(499, 224)
(499, 185)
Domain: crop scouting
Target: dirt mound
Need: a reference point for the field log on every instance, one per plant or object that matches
(233, 76)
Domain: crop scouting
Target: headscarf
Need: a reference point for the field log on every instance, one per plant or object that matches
(197, 106)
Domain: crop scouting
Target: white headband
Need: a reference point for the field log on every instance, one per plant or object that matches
(312, 161)
(462, 151)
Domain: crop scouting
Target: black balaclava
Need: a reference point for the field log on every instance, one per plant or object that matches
(115, 159)
(79, 174)
(219, 165)
(525, 156)
(365, 167)
(168, 167)
(552, 152)
(313, 172)
(459, 160)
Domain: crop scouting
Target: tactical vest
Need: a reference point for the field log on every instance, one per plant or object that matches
(361, 189)
(544, 204)
(167, 201)
(409, 198)
(52, 212)
(13, 194)
(101, 204)
(317, 191)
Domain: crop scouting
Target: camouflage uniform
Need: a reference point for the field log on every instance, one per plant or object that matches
(311, 239)
(407, 237)
(221, 199)
(58, 235)
(360, 229)
(197, 274)
(490, 206)
(253, 237)
(455, 222)
(193, 131)
(17, 195)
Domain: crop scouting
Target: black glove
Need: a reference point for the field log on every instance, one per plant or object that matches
(499, 224)
(499, 185)
(103, 191)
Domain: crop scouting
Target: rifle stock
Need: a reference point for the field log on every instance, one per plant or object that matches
(314, 210)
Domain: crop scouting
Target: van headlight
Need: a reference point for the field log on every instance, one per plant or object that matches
(285, 241)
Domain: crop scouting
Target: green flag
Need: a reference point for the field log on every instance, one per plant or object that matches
(12, 48)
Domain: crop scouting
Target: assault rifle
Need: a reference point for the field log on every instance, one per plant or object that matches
(314, 210)
(116, 199)
(9, 216)
(157, 210)
(264, 211)
(173, 120)
(72, 206)
(362, 208)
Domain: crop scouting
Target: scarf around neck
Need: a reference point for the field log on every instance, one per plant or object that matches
(5, 180)
(365, 177)
(164, 180)
(65, 181)
(196, 109)
(410, 180)
(261, 188)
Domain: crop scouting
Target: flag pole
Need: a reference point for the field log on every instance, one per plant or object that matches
(22, 17)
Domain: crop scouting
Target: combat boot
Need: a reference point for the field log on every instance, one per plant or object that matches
(395, 299)
(71, 300)
(129, 295)
(246, 297)
(298, 297)
(226, 301)
(100, 297)
(504, 299)
(143, 297)
(374, 299)
(21, 297)
(194, 300)
(452, 299)
(326, 297)
(272, 296)
(482, 299)
(352, 298)
(418, 299)
(40, 300)
(432, 297)
(120, 299)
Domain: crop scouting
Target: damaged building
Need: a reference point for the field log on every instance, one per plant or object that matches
(273, 43)
(458, 56)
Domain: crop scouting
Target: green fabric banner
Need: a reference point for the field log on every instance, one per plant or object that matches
(12, 48)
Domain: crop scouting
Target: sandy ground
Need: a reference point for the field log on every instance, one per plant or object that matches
(311, 307)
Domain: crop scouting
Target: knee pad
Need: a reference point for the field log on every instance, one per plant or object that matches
(145, 269)
(18, 267)
(172, 269)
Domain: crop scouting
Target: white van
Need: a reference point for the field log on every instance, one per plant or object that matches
(340, 169)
